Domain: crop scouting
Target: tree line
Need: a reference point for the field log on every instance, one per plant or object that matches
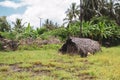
(100, 22)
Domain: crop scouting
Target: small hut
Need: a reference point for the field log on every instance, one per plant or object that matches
(81, 46)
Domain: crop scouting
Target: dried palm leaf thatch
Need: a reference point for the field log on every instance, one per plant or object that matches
(81, 46)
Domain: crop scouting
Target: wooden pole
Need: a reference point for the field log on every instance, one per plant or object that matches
(40, 22)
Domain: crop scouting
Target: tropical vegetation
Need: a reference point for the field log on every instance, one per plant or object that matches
(100, 22)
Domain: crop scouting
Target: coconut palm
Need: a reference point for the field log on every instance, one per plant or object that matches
(49, 24)
(72, 14)
(92, 8)
(68, 20)
(73, 11)
(111, 8)
(18, 26)
(117, 12)
(4, 25)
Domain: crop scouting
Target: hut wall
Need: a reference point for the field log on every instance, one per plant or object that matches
(63, 49)
(71, 48)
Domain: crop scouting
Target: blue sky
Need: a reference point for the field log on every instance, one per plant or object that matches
(9, 11)
(31, 10)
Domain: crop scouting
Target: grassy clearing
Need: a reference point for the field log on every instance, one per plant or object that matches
(48, 64)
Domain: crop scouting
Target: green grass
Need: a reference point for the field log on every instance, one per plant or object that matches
(47, 64)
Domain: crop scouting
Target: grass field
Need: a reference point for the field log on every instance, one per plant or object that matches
(48, 64)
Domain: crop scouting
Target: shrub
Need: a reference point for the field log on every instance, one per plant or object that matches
(41, 30)
(8, 35)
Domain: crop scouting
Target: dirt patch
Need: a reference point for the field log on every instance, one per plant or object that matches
(1, 64)
(42, 72)
(85, 76)
(86, 62)
(16, 68)
(39, 69)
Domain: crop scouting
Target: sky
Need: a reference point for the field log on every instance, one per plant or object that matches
(31, 10)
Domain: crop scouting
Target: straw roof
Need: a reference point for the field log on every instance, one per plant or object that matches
(84, 46)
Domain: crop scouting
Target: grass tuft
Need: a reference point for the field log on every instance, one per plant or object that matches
(4, 68)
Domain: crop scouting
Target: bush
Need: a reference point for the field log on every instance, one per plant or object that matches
(8, 35)
(60, 33)
(41, 30)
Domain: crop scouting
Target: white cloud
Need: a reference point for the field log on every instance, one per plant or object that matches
(11, 4)
(51, 9)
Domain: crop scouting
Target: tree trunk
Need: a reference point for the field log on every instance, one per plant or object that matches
(81, 17)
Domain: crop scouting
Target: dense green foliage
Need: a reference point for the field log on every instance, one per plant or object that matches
(101, 29)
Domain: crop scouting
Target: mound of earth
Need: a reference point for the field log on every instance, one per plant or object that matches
(6, 44)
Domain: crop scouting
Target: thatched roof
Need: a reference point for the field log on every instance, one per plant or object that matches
(84, 45)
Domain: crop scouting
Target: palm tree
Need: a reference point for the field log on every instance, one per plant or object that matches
(68, 20)
(4, 25)
(97, 8)
(73, 11)
(91, 8)
(49, 24)
(72, 14)
(111, 8)
(18, 26)
(117, 11)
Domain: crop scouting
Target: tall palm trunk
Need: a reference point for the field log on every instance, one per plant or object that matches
(81, 17)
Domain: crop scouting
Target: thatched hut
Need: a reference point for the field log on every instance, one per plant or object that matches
(81, 46)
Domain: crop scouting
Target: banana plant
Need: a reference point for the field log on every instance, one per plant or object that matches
(29, 32)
